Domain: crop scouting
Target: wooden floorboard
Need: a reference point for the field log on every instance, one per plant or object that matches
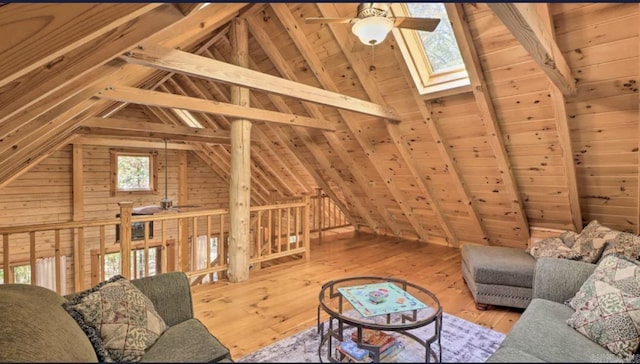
(281, 300)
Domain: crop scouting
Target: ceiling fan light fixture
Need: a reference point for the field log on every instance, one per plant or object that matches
(372, 30)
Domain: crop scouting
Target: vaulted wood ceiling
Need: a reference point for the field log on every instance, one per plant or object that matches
(546, 136)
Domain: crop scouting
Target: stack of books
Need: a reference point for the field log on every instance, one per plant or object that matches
(387, 343)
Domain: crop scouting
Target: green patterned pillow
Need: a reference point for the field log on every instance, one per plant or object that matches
(608, 306)
(592, 240)
(552, 247)
(119, 320)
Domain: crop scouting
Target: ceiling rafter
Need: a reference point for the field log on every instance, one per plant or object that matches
(341, 35)
(81, 63)
(259, 136)
(285, 70)
(488, 114)
(524, 22)
(312, 59)
(47, 44)
(173, 60)
(163, 99)
(562, 128)
(260, 163)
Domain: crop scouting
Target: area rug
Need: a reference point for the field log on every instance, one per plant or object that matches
(462, 342)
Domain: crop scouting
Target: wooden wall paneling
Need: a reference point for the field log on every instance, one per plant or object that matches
(285, 70)
(68, 27)
(487, 112)
(83, 61)
(366, 79)
(312, 59)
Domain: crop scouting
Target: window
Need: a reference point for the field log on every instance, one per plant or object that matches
(133, 172)
(112, 263)
(433, 58)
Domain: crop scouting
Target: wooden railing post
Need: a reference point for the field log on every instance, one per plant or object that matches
(6, 262)
(306, 229)
(125, 238)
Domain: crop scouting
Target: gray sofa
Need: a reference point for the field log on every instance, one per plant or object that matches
(542, 334)
(34, 327)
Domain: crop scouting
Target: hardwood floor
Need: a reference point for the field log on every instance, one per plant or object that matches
(281, 300)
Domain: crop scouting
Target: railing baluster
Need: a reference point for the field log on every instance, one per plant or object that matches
(6, 262)
(297, 220)
(32, 255)
(146, 249)
(208, 259)
(102, 252)
(163, 253)
(57, 262)
(194, 245)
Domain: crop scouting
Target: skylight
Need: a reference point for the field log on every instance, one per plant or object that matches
(187, 118)
(433, 58)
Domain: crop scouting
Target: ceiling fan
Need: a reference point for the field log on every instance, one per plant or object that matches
(373, 22)
(166, 204)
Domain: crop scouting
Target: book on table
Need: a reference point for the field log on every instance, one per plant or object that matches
(375, 338)
(351, 350)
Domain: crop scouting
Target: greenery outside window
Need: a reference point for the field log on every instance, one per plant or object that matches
(133, 172)
(433, 58)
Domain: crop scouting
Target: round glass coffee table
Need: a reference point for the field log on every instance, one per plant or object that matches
(360, 306)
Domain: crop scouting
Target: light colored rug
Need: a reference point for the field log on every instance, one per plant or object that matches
(462, 342)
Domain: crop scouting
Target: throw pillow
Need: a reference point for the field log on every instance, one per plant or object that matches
(119, 320)
(608, 306)
(552, 247)
(624, 244)
(568, 238)
(591, 241)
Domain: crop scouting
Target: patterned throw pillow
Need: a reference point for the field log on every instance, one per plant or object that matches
(624, 244)
(119, 320)
(568, 238)
(552, 247)
(591, 241)
(608, 306)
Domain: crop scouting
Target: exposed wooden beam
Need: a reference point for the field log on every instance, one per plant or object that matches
(197, 66)
(82, 63)
(299, 38)
(523, 21)
(358, 65)
(188, 8)
(129, 143)
(163, 99)
(562, 128)
(35, 35)
(487, 112)
(286, 71)
(119, 127)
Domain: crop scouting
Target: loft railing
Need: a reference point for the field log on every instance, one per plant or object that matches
(326, 214)
(195, 242)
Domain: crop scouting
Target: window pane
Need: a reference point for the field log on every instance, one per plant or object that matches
(133, 172)
(22, 274)
(111, 265)
(440, 45)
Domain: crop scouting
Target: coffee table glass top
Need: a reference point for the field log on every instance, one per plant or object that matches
(380, 298)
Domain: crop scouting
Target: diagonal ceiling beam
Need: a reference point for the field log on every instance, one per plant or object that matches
(34, 35)
(299, 38)
(562, 127)
(529, 29)
(197, 66)
(285, 70)
(488, 114)
(358, 65)
(83, 64)
(163, 99)
(120, 127)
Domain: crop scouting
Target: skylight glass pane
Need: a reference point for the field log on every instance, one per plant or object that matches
(440, 45)
(187, 118)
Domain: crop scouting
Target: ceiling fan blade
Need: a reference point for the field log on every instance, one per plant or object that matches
(425, 24)
(328, 20)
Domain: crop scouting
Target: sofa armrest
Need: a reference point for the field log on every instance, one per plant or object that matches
(170, 294)
(558, 280)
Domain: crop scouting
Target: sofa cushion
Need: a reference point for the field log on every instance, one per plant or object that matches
(542, 332)
(552, 247)
(35, 328)
(568, 238)
(189, 341)
(608, 306)
(119, 320)
(591, 242)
